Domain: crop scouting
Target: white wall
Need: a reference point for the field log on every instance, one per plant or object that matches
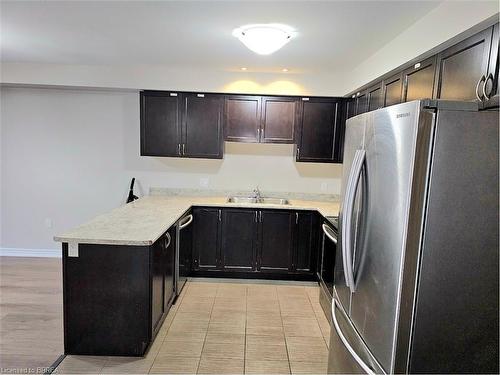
(68, 155)
(442, 23)
(159, 77)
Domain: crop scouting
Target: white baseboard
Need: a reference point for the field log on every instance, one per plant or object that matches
(19, 252)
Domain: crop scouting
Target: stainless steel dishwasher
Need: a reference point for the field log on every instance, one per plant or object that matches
(327, 263)
(184, 251)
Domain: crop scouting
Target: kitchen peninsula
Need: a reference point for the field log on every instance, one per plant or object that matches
(123, 270)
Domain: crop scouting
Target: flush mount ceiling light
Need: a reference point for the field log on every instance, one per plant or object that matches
(264, 39)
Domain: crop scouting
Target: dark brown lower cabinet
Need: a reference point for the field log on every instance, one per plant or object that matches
(116, 297)
(276, 237)
(238, 239)
(206, 234)
(254, 243)
(306, 242)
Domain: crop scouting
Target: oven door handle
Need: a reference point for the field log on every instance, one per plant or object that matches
(187, 222)
(326, 231)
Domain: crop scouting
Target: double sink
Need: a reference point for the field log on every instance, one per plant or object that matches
(261, 200)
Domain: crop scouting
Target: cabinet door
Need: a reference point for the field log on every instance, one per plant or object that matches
(206, 238)
(306, 243)
(242, 118)
(419, 80)
(276, 240)
(316, 133)
(361, 102)
(374, 97)
(160, 124)
(278, 119)
(238, 239)
(461, 66)
(351, 106)
(170, 249)
(157, 284)
(391, 90)
(202, 130)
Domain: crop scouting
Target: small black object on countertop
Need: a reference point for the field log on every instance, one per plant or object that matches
(131, 197)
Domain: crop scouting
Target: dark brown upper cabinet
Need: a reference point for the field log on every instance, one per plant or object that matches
(362, 102)
(351, 104)
(374, 96)
(391, 90)
(160, 124)
(242, 118)
(181, 125)
(317, 126)
(264, 119)
(202, 130)
(418, 80)
(463, 68)
(278, 119)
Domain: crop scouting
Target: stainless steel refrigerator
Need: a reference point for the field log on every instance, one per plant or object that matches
(416, 273)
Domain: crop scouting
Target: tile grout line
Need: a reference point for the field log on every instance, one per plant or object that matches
(183, 293)
(284, 334)
(317, 320)
(206, 332)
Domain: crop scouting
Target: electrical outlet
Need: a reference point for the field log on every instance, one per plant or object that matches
(204, 181)
(324, 186)
(48, 222)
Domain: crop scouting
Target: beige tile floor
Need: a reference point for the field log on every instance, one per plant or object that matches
(220, 327)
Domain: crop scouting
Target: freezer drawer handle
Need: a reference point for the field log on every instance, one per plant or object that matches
(348, 346)
(326, 231)
(352, 187)
(187, 222)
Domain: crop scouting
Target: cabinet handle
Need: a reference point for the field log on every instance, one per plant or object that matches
(483, 78)
(179, 149)
(184, 149)
(296, 218)
(200, 95)
(490, 76)
(260, 216)
(256, 220)
(168, 240)
(220, 215)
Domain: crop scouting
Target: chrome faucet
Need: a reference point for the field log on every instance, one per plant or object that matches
(256, 193)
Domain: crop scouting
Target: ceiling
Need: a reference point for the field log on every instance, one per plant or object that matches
(332, 35)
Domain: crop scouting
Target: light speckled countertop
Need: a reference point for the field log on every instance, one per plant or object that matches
(143, 221)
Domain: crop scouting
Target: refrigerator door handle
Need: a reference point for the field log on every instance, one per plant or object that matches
(348, 346)
(352, 187)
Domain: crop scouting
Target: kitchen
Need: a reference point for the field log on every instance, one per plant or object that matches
(255, 171)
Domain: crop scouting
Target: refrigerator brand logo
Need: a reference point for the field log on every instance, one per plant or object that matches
(399, 115)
